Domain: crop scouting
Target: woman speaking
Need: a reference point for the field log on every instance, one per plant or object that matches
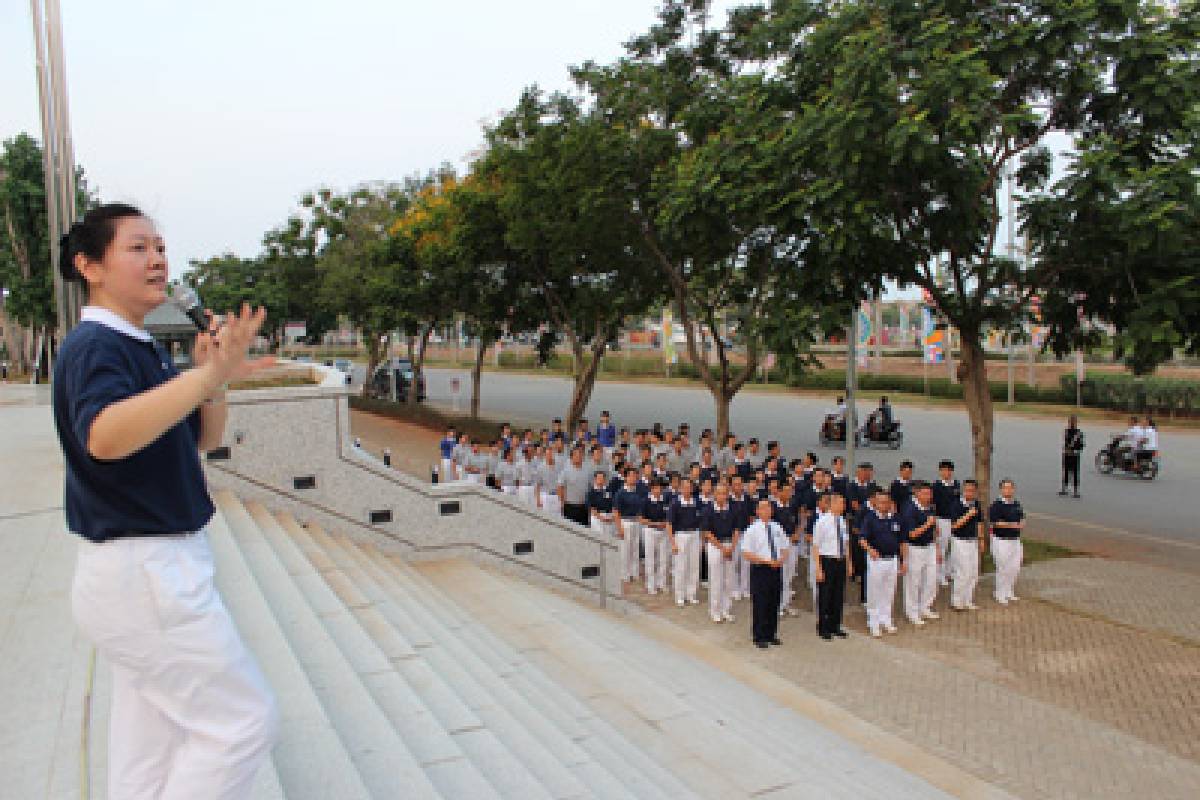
(192, 716)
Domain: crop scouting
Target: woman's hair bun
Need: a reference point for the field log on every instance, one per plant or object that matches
(91, 235)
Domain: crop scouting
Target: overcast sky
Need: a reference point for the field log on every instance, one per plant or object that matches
(215, 116)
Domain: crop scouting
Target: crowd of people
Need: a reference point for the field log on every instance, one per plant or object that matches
(738, 517)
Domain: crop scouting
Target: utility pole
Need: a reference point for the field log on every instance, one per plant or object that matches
(851, 384)
(58, 156)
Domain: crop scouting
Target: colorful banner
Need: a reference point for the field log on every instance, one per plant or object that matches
(933, 340)
(668, 337)
(864, 334)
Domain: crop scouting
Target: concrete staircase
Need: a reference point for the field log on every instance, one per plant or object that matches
(446, 680)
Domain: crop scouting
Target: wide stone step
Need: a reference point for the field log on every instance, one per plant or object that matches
(380, 647)
(640, 775)
(534, 747)
(385, 764)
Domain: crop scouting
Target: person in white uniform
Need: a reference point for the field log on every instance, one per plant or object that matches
(882, 536)
(1008, 520)
(921, 558)
(683, 528)
(966, 547)
(719, 528)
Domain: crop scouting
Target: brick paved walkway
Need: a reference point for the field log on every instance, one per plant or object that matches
(1083, 696)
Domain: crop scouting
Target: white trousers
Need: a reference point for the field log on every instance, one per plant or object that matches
(920, 580)
(446, 471)
(550, 504)
(630, 549)
(720, 582)
(741, 575)
(881, 590)
(527, 495)
(509, 490)
(788, 574)
(192, 716)
(943, 544)
(473, 477)
(964, 568)
(686, 572)
(1007, 553)
(603, 528)
(658, 557)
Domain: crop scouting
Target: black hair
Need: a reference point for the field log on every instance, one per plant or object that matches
(946, 464)
(91, 236)
(970, 482)
(906, 464)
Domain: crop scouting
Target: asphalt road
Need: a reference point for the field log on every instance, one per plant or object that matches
(1027, 449)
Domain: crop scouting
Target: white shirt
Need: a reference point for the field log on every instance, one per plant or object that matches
(112, 320)
(1151, 438)
(755, 540)
(826, 532)
(1135, 434)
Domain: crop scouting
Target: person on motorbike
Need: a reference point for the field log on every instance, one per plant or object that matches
(835, 421)
(1131, 444)
(1147, 448)
(881, 423)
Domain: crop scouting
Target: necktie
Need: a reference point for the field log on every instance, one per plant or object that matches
(771, 540)
(841, 523)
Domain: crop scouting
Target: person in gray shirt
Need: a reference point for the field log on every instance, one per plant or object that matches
(679, 460)
(573, 484)
(506, 472)
(548, 483)
(725, 455)
(527, 478)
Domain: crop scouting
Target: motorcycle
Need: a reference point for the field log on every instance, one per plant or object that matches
(871, 435)
(833, 431)
(1118, 456)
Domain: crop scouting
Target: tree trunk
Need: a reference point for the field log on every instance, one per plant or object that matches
(481, 346)
(722, 400)
(414, 391)
(978, 398)
(374, 356)
(408, 343)
(585, 381)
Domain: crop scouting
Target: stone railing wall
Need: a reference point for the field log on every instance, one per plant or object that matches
(292, 449)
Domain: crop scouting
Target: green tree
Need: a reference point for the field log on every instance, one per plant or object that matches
(225, 282)
(1117, 237)
(908, 117)
(690, 106)
(582, 266)
(357, 269)
(26, 280)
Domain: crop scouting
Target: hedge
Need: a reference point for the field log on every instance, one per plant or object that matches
(427, 416)
(834, 380)
(1170, 397)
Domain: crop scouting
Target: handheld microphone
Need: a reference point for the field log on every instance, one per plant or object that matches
(187, 300)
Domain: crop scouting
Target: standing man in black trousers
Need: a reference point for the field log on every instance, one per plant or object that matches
(573, 484)
(831, 540)
(1072, 447)
(765, 547)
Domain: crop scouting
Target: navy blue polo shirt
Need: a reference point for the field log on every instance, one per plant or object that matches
(158, 490)
(901, 492)
(784, 516)
(1003, 511)
(883, 534)
(629, 503)
(720, 523)
(945, 498)
(655, 509)
(684, 517)
(914, 517)
(970, 528)
(600, 500)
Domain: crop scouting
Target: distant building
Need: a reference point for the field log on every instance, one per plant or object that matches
(171, 328)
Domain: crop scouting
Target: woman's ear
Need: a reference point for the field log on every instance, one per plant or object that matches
(89, 270)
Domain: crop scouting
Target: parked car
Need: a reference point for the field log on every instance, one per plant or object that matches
(381, 383)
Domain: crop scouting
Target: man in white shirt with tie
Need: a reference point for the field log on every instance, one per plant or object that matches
(831, 539)
(765, 546)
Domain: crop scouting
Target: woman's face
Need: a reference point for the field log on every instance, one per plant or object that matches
(132, 276)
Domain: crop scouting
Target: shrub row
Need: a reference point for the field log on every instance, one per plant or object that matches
(1171, 397)
(834, 380)
(428, 417)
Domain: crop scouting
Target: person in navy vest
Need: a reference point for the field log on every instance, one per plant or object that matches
(1008, 520)
(191, 711)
